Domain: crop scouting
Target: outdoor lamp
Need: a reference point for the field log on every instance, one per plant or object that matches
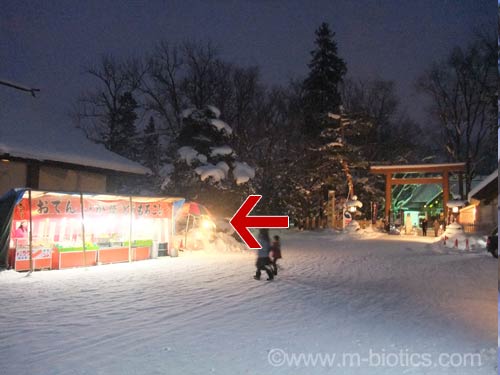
(455, 206)
(207, 224)
(351, 204)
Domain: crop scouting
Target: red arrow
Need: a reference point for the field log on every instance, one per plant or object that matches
(241, 221)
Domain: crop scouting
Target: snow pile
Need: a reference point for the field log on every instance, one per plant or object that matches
(455, 238)
(211, 171)
(464, 242)
(243, 172)
(211, 242)
(221, 126)
(453, 229)
(189, 154)
(224, 242)
(222, 225)
(352, 227)
(221, 151)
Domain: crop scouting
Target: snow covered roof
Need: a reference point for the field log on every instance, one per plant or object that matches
(425, 193)
(490, 182)
(67, 146)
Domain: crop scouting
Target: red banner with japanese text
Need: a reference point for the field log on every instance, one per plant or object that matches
(52, 206)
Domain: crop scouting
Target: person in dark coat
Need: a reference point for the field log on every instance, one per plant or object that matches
(263, 262)
(424, 226)
(275, 253)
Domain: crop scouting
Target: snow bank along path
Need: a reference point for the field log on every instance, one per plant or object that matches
(203, 313)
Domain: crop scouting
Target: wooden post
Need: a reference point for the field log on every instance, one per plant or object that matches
(446, 193)
(170, 239)
(130, 230)
(331, 208)
(186, 232)
(83, 231)
(388, 191)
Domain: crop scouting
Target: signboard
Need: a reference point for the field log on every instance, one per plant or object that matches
(23, 253)
(51, 206)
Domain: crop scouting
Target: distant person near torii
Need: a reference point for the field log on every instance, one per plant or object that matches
(425, 224)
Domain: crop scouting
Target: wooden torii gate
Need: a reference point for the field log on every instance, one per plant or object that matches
(442, 169)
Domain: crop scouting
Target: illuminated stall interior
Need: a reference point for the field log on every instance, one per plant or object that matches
(110, 229)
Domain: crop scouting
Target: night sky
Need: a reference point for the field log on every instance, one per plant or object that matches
(47, 44)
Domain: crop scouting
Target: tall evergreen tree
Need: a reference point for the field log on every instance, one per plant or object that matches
(321, 87)
(333, 156)
(321, 161)
(122, 133)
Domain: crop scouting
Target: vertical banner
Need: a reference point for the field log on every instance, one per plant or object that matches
(374, 212)
(331, 208)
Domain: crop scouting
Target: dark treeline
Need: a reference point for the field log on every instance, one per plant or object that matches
(318, 133)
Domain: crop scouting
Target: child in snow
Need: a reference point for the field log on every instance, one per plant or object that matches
(275, 253)
(263, 261)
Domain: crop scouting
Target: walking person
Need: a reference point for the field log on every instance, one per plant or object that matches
(263, 262)
(436, 225)
(424, 226)
(275, 253)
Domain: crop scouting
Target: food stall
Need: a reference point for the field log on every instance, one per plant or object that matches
(52, 230)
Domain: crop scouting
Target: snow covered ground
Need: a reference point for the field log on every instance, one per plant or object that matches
(343, 305)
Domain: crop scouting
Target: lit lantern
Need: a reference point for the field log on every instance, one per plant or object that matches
(455, 206)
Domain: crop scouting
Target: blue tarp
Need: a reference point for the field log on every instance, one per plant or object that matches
(8, 202)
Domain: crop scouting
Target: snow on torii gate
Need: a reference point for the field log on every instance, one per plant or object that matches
(443, 180)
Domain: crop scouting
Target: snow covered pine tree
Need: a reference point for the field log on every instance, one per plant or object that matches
(206, 165)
